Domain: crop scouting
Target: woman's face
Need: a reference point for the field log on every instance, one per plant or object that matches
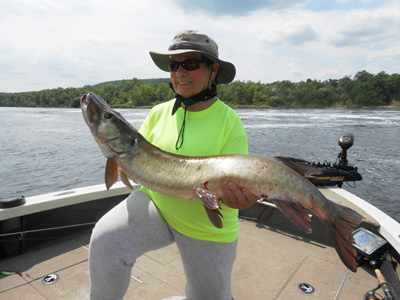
(189, 83)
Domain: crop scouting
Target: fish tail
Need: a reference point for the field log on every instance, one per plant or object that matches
(343, 225)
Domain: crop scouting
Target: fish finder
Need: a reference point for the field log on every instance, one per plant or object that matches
(367, 243)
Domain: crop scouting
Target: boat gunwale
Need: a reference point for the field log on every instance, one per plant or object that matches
(43, 202)
(386, 226)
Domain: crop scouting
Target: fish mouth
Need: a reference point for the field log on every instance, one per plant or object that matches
(84, 101)
(94, 108)
(90, 109)
(93, 111)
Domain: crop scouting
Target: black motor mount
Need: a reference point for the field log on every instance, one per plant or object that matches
(326, 173)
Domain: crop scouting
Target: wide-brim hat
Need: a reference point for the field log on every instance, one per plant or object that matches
(189, 41)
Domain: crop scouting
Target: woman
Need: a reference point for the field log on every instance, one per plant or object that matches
(195, 123)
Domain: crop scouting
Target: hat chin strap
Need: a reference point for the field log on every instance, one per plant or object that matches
(204, 95)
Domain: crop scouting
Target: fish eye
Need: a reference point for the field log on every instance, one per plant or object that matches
(108, 115)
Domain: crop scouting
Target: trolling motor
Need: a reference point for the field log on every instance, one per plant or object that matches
(327, 173)
(346, 141)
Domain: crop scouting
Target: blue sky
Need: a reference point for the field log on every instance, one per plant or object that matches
(70, 43)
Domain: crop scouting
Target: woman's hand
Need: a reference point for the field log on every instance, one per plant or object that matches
(235, 197)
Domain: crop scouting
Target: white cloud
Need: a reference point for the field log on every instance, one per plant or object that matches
(388, 54)
(73, 43)
(292, 34)
(237, 7)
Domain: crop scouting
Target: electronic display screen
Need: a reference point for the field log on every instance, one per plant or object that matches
(362, 238)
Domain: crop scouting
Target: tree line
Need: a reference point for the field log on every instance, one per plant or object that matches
(363, 90)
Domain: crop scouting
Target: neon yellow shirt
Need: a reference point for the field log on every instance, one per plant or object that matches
(214, 131)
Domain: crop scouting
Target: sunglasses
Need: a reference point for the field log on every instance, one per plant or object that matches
(188, 64)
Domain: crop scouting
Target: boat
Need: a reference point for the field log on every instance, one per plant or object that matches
(44, 243)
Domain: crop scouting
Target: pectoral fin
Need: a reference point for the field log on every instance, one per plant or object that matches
(296, 213)
(111, 175)
(125, 179)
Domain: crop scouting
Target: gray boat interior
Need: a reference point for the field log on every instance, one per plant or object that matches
(275, 260)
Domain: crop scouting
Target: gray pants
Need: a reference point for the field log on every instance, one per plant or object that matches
(134, 227)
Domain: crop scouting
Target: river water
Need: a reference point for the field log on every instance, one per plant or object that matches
(45, 150)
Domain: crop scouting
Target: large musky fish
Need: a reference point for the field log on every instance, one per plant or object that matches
(142, 162)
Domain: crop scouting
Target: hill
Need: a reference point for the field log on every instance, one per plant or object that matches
(362, 90)
(118, 82)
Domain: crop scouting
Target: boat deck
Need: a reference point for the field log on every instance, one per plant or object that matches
(270, 264)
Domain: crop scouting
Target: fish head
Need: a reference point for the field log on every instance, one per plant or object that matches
(112, 132)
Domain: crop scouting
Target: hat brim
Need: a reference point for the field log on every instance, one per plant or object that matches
(226, 73)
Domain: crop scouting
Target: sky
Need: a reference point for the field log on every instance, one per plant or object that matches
(47, 44)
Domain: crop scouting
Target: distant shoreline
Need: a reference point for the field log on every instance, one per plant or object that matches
(364, 90)
(394, 106)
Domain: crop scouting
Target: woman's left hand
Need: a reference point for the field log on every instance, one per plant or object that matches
(235, 197)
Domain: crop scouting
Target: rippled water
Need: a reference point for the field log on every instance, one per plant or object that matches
(47, 150)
